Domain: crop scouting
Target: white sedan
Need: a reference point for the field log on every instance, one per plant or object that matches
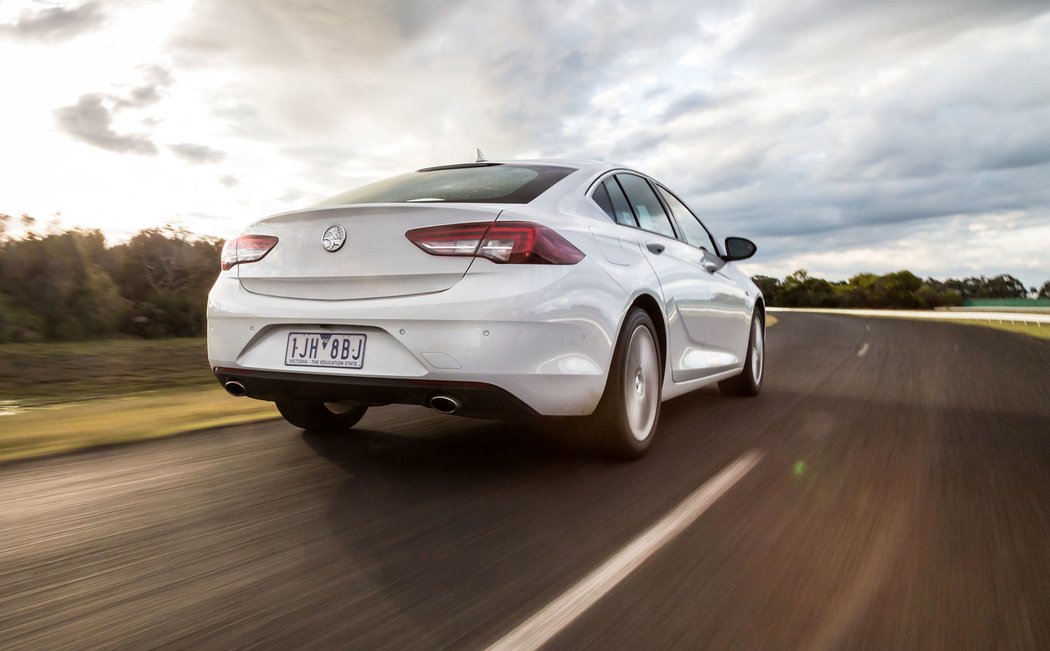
(493, 289)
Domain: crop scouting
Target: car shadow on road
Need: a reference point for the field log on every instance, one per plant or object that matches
(464, 447)
(451, 448)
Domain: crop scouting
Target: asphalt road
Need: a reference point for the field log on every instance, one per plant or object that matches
(902, 500)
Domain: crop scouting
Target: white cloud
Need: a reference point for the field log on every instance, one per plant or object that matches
(842, 135)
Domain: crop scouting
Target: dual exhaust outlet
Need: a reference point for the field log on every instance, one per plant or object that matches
(235, 388)
(442, 404)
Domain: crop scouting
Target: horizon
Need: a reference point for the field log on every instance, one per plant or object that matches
(55, 229)
(843, 138)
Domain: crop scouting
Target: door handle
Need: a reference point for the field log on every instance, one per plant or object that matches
(655, 247)
(709, 266)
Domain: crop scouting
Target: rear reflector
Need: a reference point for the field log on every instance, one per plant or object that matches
(501, 242)
(246, 248)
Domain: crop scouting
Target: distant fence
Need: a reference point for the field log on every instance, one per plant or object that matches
(981, 308)
(986, 303)
(1028, 318)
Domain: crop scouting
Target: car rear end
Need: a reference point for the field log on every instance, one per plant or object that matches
(473, 307)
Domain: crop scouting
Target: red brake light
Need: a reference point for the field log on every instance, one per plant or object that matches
(246, 248)
(500, 242)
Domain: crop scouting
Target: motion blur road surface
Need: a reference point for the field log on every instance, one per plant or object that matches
(902, 500)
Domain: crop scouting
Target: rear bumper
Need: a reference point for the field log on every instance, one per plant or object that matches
(477, 399)
(510, 339)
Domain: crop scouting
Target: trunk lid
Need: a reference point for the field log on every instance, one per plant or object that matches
(375, 259)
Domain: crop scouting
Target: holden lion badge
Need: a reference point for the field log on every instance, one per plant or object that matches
(334, 238)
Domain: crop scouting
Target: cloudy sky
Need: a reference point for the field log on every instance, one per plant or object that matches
(841, 135)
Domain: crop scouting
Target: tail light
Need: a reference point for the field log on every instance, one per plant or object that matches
(500, 242)
(246, 248)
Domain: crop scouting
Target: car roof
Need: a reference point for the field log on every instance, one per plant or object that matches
(576, 164)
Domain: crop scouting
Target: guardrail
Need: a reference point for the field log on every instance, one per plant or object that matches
(1001, 317)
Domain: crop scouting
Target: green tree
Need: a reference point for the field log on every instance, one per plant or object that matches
(897, 290)
(1006, 286)
(860, 289)
(166, 274)
(771, 288)
(1001, 286)
(935, 293)
(803, 290)
(55, 288)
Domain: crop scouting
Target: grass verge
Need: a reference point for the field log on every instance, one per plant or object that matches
(1043, 332)
(1030, 329)
(75, 425)
(57, 372)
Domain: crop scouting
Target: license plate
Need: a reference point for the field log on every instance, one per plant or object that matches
(331, 349)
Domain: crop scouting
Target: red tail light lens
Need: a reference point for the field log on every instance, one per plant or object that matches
(246, 248)
(501, 242)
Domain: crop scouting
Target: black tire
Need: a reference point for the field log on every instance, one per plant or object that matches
(318, 417)
(749, 382)
(623, 425)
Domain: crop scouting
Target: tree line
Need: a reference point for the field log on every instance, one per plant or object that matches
(900, 290)
(70, 285)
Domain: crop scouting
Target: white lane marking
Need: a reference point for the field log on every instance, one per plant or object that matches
(863, 350)
(868, 328)
(552, 619)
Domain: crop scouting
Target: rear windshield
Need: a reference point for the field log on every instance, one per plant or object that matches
(478, 183)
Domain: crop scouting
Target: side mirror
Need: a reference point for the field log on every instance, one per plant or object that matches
(737, 248)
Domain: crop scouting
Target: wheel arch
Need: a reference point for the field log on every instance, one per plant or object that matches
(651, 306)
(760, 310)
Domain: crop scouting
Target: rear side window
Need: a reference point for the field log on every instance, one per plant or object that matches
(475, 183)
(693, 231)
(601, 197)
(647, 207)
(622, 212)
(612, 200)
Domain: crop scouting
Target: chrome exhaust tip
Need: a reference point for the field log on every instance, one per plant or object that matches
(444, 404)
(235, 388)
